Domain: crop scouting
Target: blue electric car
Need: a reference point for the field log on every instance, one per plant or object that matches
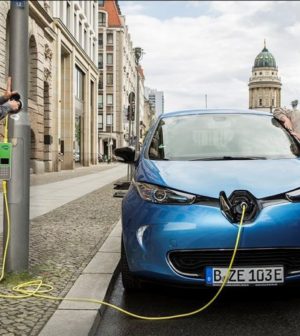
(180, 215)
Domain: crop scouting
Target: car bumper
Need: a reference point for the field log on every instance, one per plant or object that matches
(151, 232)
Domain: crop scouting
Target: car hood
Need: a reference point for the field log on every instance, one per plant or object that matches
(262, 178)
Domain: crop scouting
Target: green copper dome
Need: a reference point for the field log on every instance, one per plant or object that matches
(265, 59)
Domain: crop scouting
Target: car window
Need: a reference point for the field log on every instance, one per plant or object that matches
(215, 136)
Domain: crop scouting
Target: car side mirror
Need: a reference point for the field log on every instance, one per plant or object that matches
(125, 154)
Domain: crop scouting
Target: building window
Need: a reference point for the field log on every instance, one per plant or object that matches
(109, 119)
(100, 101)
(85, 41)
(61, 10)
(79, 87)
(260, 102)
(109, 99)
(109, 79)
(109, 59)
(80, 33)
(100, 61)
(100, 40)
(69, 15)
(100, 121)
(75, 25)
(94, 53)
(110, 38)
(100, 83)
(101, 19)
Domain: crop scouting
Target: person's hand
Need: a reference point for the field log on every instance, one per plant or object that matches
(287, 123)
(8, 93)
(14, 105)
(296, 135)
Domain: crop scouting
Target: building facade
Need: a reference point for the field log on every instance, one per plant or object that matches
(40, 76)
(264, 85)
(117, 78)
(76, 79)
(58, 47)
(156, 99)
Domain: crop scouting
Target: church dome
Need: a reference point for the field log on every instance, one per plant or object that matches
(265, 59)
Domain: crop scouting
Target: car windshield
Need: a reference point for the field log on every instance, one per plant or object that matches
(221, 137)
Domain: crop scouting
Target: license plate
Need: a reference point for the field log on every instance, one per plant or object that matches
(245, 276)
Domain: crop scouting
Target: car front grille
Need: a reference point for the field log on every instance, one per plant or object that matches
(192, 263)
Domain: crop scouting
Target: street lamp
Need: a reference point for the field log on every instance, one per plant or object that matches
(138, 53)
(110, 143)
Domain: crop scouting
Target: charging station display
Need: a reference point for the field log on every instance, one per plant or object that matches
(5, 161)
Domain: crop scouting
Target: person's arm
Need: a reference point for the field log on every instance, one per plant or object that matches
(284, 115)
(8, 93)
(296, 135)
(4, 110)
(11, 106)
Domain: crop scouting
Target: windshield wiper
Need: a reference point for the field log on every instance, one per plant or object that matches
(221, 158)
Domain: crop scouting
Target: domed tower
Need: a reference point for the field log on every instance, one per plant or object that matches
(264, 85)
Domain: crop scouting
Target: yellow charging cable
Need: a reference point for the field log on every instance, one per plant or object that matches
(38, 289)
(4, 187)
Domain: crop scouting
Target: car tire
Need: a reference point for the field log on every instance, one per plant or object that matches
(130, 282)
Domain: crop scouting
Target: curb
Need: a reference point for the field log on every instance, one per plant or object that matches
(95, 281)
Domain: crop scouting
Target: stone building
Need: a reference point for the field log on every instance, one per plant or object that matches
(76, 79)
(264, 85)
(57, 48)
(40, 62)
(117, 77)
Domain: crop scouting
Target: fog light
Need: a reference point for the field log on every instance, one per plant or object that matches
(140, 234)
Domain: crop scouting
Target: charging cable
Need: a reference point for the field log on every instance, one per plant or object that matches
(38, 289)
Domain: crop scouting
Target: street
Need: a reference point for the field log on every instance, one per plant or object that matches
(238, 311)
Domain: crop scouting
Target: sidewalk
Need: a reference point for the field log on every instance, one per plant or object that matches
(70, 221)
(49, 196)
(81, 318)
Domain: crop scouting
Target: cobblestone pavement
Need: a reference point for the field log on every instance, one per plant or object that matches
(62, 243)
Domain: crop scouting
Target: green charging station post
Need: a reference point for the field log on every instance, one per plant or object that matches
(19, 139)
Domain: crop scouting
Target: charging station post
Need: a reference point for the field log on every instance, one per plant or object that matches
(19, 137)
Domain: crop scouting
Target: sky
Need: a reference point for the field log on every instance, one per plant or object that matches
(198, 48)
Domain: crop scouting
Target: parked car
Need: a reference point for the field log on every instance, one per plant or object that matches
(176, 230)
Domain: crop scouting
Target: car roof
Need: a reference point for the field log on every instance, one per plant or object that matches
(214, 111)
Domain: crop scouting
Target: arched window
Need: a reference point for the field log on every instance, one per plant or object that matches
(33, 145)
(32, 68)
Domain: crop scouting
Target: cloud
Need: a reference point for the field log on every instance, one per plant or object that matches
(188, 57)
(132, 7)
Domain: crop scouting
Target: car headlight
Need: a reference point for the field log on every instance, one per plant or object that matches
(160, 195)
